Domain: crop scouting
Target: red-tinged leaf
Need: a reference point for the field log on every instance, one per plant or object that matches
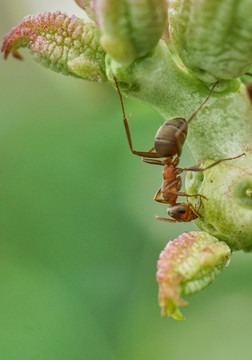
(187, 265)
(87, 6)
(64, 44)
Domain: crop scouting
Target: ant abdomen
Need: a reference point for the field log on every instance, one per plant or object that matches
(166, 143)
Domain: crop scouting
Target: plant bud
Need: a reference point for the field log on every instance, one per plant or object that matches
(227, 214)
(213, 38)
(130, 28)
(187, 265)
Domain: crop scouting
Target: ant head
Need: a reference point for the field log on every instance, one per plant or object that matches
(170, 137)
(180, 212)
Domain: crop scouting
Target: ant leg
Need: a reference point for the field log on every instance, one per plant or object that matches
(183, 127)
(149, 161)
(176, 161)
(247, 73)
(185, 194)
(167, 220)
(153, 162)
(213, 164)
(200, 107)
(127, 129)
(157, 196)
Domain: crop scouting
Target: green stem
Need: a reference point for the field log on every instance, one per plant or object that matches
(221, 129)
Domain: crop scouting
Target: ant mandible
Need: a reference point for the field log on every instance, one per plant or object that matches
(168, 142)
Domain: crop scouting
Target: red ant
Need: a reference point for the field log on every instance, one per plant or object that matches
(168, 142)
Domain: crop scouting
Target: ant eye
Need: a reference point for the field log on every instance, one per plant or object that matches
(181, 211)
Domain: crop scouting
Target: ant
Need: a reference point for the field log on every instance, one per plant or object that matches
(168, 142)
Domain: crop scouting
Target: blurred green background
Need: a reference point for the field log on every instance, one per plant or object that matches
(78, 238)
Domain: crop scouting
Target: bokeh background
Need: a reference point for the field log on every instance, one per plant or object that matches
(78, 238)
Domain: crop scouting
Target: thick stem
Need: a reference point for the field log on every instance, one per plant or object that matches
(222, 128)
